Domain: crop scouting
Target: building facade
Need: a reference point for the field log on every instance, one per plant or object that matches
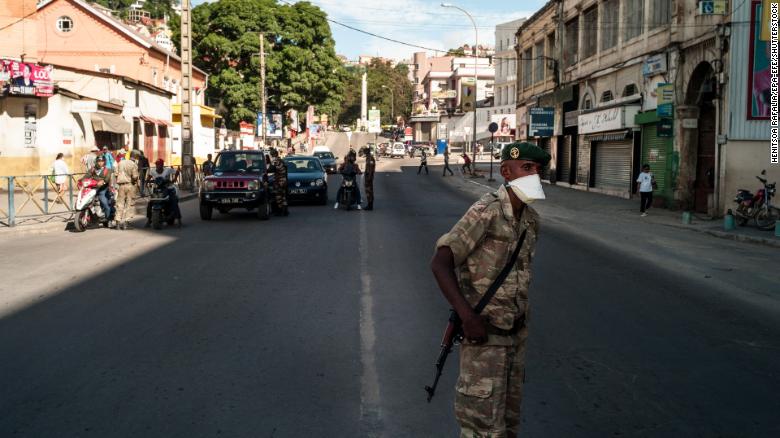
(505, 89)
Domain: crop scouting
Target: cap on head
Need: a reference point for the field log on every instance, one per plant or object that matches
(525, 151)
(100, 158)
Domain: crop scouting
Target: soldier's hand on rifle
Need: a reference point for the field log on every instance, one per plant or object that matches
(474, 329)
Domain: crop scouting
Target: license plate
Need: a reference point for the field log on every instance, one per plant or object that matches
(230, 200)
(297, 191)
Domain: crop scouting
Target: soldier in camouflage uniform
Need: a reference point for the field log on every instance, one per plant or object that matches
(368, 178)
(279, 169)
(467, 261)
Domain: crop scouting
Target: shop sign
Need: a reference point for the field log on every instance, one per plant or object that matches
(374, 124)
(654, 65)
(542, 122)
(690, 123)
(665, 93)
(605, 120)
(83, 106)
(570, 118)
(664, 110)
(20, 78)
(665, 128)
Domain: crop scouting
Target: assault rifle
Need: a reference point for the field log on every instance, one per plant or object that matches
(452, 334)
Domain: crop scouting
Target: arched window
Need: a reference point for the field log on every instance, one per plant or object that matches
(629, 90)
(606, 96)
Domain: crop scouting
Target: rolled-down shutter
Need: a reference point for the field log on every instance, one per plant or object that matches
(655, 153)
(613, 166)
(544, 143)
(564, 159)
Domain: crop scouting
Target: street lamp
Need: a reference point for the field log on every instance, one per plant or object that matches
(392, 102)
(476, 80)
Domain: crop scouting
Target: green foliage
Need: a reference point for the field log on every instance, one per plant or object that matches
(115, 5)
(159, 8)
(456, 52)
(301, 64)
(395, 82)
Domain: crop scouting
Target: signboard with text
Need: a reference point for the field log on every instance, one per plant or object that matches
(542, 122)
(20, 78)
(374, 124)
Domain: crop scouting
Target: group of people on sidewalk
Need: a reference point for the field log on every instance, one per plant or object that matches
(466, 167)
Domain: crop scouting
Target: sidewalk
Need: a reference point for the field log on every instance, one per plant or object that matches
(574, 204)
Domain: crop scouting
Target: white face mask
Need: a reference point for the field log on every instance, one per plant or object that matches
(528, 188)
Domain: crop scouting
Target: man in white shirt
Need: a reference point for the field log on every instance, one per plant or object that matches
(171, 175)
(645, 183)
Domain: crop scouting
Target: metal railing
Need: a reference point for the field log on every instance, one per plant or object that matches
(28, 197)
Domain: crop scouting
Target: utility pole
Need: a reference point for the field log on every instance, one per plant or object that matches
(364, 101)
(262, 87)
(187, 161)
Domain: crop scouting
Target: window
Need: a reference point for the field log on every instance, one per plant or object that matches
(572, 42)
(629, 90)
(539, 62)
(606, 96)
(587, 103)
(527, 59)
(609, 24)
(590, 39)
(512, 97)
(64, 24)
(634, 18)
(662, 13)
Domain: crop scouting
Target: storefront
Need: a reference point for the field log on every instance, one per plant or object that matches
(657, 151)
(609, 136)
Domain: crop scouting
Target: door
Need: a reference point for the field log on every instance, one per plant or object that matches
(704, 185)
(149, 141)
(564, 159)
(162, 138)
(655, 152)
(612, 166)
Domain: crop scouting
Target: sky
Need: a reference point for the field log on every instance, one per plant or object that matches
(420, 22)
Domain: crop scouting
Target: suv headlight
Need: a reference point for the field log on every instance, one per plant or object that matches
(210, 185)
(253, 185)
(319, 182)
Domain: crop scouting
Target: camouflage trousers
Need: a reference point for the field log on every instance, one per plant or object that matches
(490, 387)
(125, 203)
(280, 196)
(369, 188)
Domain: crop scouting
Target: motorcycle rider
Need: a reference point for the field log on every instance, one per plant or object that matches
(349, 169)
(102, 175)
(170, 175)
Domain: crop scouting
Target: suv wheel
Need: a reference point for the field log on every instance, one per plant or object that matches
(264, 210)
(205, 212)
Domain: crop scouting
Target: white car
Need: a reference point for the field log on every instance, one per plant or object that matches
(320, 148)
(398, 150)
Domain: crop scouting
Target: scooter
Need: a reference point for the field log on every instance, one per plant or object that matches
(757, 207)
(88, 210)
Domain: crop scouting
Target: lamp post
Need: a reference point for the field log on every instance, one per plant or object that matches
(476, 80)
(392, 103)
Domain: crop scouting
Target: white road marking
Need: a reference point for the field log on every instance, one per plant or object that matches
(483, 185)
(370, 412)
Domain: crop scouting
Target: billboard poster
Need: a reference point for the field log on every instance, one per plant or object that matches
(506, 124)
(542, 122)
(27, 79)
(374, 124)
(273, 125)
(759, 73)
(293, 126)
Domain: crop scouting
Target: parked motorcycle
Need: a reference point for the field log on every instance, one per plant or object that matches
(160, 201)
(348, 198)
(89, 213)
(757, 207)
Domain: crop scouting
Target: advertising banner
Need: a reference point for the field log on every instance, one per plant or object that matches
(506, 124)
(374, 124)
(759, 73)
(25, 79)
(294, 127)
(542, 122)
(468, 95)
(274, 125)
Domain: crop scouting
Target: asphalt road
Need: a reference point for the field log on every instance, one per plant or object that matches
(326, 323)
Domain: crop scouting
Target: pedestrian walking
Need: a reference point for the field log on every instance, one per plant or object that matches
(88, 160)
(60, 172)
(208, 166)
(466, 163)
(368, 178)
(110, 160)
(423, 162)
(447, 163)
(645, 184)
(480, 148)
(497, 233)
(126, 181)
(279, 169)
(143, 169)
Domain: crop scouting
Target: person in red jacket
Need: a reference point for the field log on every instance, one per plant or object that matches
(466, 163)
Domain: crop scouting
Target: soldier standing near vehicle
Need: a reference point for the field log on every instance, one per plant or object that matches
(498, 232)
(126, 180)
(368, 178)
(279, 169)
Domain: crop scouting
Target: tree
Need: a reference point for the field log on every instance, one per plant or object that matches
(380, 73)
(459, 51)
(301, 64)
(159, 8)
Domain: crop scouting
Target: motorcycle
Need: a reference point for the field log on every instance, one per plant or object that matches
(88, 210)
(348, 198)
(161, 191)
(757, 207)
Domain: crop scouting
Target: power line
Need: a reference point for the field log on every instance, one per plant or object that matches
(18, 21)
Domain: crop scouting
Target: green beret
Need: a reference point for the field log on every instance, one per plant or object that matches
(525, 151)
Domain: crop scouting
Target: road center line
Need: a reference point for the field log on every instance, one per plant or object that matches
(370, 413)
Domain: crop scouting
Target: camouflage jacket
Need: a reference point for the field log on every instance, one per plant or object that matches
(370, 168)
(279, 169)
(483, 242)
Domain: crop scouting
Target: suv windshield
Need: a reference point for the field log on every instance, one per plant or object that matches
(242, 162)
(323, 155)
(303, 165)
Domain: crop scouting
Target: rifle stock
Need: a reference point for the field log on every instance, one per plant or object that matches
(453, 333)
